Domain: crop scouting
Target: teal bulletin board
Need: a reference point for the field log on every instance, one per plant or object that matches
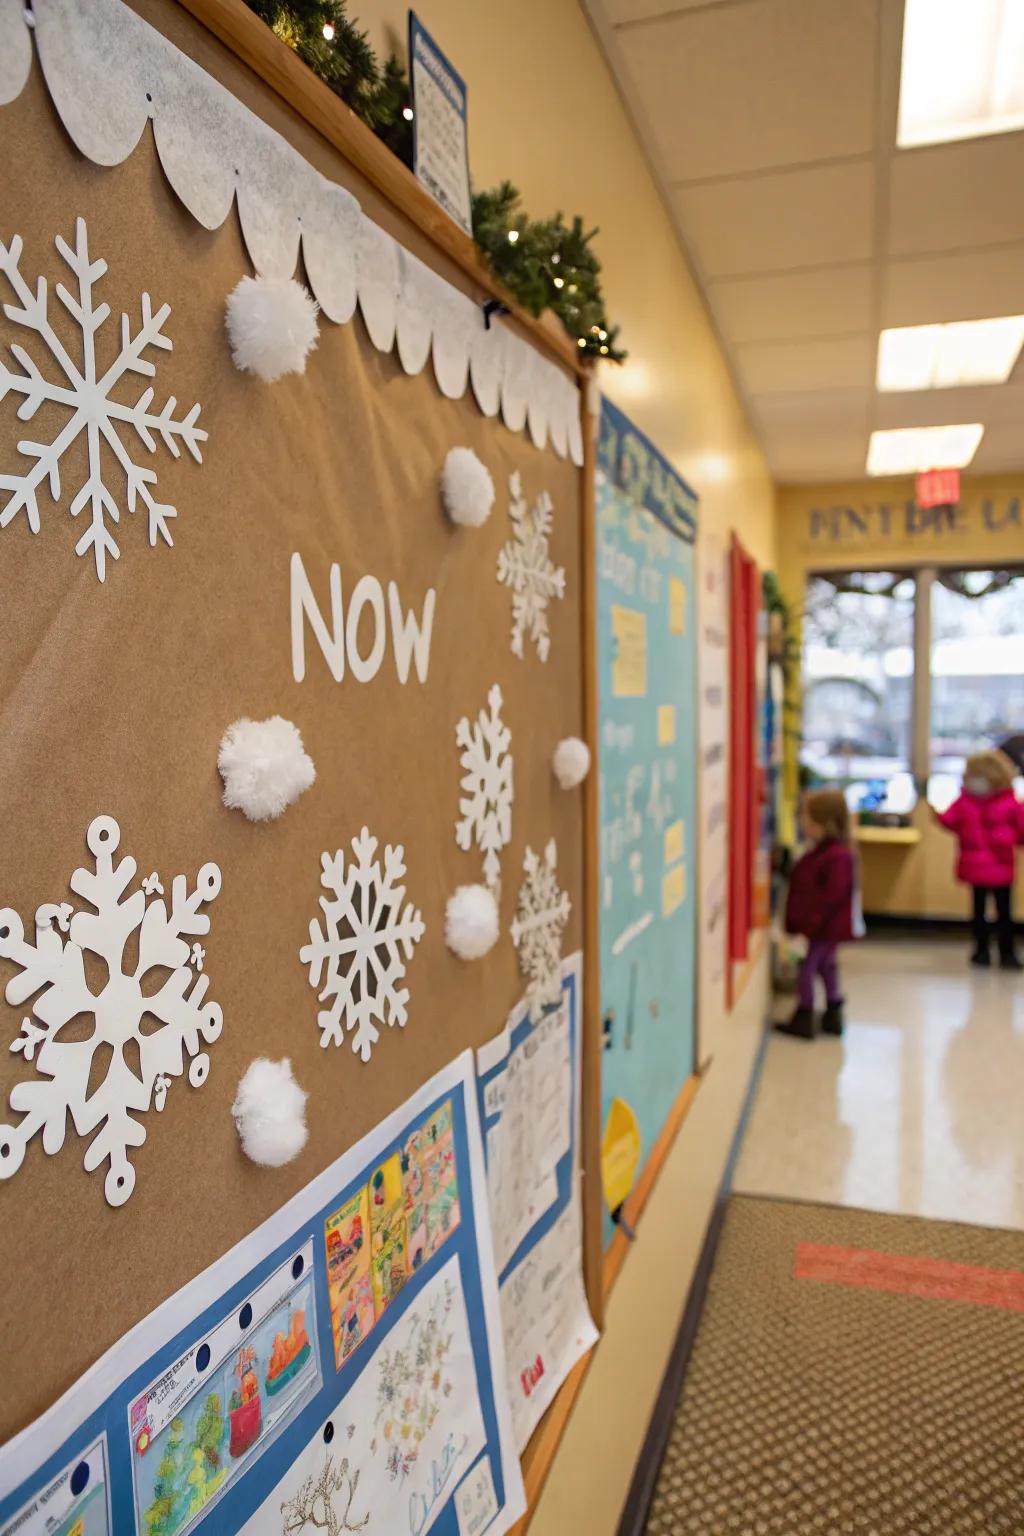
(647, 679)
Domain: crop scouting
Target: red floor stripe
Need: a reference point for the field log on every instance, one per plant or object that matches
(933, 1279)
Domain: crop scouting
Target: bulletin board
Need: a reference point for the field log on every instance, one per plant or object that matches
(298, 564)
(646, 529)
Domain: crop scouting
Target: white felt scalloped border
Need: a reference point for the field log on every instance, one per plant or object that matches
(109, 72)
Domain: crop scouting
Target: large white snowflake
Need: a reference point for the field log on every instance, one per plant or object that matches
(537, 928)
(364, 944)
(105, 1057)
(88, 395)
(485, 807)
(525, 566)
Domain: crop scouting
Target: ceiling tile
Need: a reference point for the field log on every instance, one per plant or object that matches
(734, 88)
(795, 461)
(778, 367)
(1000, 451)
(992, 404)
(767, 223)
(619, 11)
(957, 196)
(970, 285)
(796, 306)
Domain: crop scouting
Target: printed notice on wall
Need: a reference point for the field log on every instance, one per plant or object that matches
(529, 1090)
(440, 143)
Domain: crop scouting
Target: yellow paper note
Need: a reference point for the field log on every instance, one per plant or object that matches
(673, 890)
(629, 668)
(675, 842)
(676, 605)
(620, 1153)
(666, 724)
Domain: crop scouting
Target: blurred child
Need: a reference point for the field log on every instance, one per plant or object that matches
(988, 821)
(823, 906)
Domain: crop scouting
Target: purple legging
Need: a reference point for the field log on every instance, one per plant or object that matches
(820, 961)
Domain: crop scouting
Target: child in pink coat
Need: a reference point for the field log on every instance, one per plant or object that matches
(988, 821)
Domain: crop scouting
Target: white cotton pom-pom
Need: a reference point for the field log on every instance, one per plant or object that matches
(271, 325)
(471, 922)
(571, 762)
(466, 488)
(270, 1113)
(264, 767)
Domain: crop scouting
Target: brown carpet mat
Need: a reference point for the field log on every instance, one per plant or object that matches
(816, 1409)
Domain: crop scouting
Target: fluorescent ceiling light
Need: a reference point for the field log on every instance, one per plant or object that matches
(963, 70)
(944, 356)
(909, 450)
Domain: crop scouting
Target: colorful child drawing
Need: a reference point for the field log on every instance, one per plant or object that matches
(388, 1264)
(190, 1470)
(412, 1384)
(346, 1237)
(439, 1178)
(181, 1467)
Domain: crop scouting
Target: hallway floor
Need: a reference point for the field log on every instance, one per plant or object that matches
(918, 1109)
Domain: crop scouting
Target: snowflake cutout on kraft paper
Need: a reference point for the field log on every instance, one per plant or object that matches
(526, 567)
(364, 944)
(145, 1022)
(87, 393)
(537, 928)
(485, 806)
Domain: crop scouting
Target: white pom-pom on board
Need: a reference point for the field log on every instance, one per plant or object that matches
(571, 762)
(271, 325)
(471, 923)
(264, 766)
(467, 489)
(270, 1113)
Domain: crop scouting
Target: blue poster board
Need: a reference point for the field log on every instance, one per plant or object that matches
(346, 1354)
(646, 609)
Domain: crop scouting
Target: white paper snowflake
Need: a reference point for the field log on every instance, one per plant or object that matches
(363, 945)
(525, 566)
(537, 928)
(146, 1019)
(88, 394)
(485, 807)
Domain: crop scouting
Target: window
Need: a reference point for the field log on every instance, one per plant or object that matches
(858, 686)
(977, 670)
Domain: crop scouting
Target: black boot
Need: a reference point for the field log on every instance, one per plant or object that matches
(1009, 960)
(981, 957)
(800, 1026)
(832, 1019)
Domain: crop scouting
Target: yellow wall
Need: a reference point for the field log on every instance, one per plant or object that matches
(543, 112)
(874, 524)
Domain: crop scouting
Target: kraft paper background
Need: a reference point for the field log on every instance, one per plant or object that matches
(114, 697)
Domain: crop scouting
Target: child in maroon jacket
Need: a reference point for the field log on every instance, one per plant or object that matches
(988, 821)
(823, 906)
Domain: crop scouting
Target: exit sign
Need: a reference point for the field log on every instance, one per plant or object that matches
(938, 488)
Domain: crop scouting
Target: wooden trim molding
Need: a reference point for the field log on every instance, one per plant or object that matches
(251, 40)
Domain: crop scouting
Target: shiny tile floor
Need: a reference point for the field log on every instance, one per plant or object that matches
(918, 1109)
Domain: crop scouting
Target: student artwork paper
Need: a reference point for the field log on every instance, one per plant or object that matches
(529, 1089)
(340, 1369)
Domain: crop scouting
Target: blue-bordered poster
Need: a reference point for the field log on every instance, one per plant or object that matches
(529, 1086)
(439, 125)
(646, 531)
(340, 1369)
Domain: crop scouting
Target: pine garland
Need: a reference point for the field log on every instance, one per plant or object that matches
(544, 263)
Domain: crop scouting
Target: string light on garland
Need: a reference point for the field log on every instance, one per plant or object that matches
(546, 264)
